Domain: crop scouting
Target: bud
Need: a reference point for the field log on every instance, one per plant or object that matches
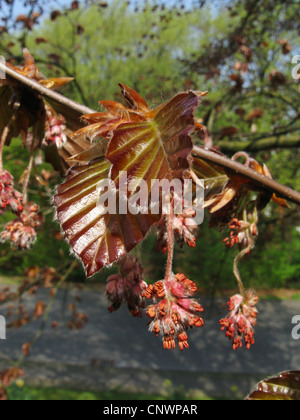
(21, 232)
(127, 287)
(9, 197)
(185, 229)
(55, 130)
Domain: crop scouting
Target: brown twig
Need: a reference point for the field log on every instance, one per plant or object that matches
(28, 171)
(236, 167)
(47, 93)
(4, 137)
(224, 162)
(170, 230)
(26, 179)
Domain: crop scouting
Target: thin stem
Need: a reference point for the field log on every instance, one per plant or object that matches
(8, 359)
(237, 272)
(242, 154)
(241, 255)
(47, 93)
(29, 169)
(26, 179)
(170, 232)
(4, 137)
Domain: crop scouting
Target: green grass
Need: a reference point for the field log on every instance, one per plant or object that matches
(10, 280)
(26, 393)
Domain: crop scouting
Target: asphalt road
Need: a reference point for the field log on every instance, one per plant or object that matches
(124, 342)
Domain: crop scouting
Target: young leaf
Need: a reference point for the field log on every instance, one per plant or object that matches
(215, 176)
(98, 239)
(286, 386)
(146, 144)
(159, 147)
(28, 106)
(223, 184)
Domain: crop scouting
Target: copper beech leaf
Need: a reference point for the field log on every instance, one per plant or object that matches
(222, 184)
(97, 239)
(285, 386)
(214, 176)
(28, 106)
(158, 147)
(148, 145)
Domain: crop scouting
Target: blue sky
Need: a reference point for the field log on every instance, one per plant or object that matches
(58, 4)
(49, 5)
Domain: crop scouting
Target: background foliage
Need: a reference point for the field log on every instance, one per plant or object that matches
(240, 51)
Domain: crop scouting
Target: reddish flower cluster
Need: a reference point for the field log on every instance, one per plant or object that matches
(21, 232)
(241, 320)
(185, 229)
(127, 287)
(9, 197)
(173, 311)
(56, 130)
(241, 234)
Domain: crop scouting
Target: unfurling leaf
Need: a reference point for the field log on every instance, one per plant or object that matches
(55, 83)
(157, 148)
(226, 191)
(21, 108)
(148, 145)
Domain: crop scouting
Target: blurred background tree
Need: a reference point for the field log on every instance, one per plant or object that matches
(240, 51)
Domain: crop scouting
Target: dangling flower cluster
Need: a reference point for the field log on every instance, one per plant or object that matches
(242, 234)
(127, 287)
(56, 130)
(21, 232)
(9, 197)
(241, 320)
(184, 227)
(173, 311)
